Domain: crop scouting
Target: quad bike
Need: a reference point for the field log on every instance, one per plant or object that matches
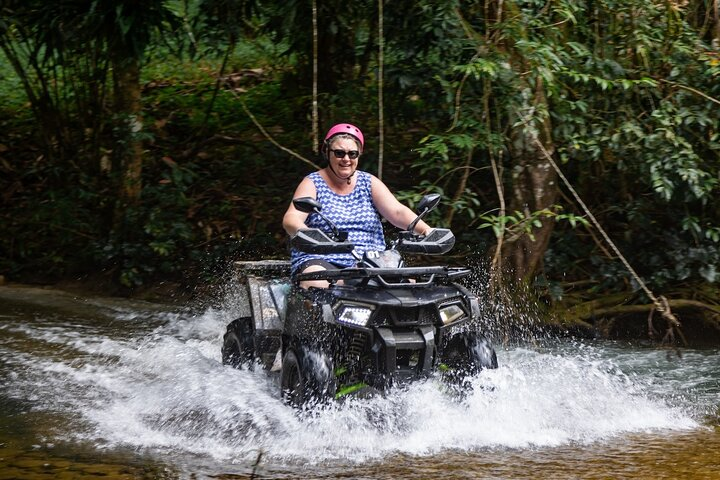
(379, 324)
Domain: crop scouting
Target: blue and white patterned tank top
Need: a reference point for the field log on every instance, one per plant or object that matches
(354, 213)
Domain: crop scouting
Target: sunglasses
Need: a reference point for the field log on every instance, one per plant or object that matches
(353, 154)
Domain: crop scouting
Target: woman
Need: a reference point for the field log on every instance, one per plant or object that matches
(354, 200)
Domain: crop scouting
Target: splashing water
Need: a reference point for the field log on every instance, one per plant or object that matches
(153, 379)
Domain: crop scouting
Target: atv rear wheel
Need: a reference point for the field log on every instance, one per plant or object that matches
(306, 378)
(239, 344)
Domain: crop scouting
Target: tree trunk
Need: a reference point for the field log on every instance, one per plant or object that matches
(716, 16)
(128, 150)
(534, 183)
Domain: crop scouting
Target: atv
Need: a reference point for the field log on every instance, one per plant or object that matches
(379, 324)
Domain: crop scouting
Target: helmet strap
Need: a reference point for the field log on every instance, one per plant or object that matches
(325, 149)
(348, 179)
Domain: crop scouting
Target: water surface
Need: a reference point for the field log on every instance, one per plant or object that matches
(110, 387)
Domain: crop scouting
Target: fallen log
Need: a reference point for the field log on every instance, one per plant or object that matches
(586, 312)
(603, 314)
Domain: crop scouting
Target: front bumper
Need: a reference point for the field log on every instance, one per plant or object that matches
(401, 355)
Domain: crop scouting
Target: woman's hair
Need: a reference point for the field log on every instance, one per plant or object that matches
(344, 136)
(325, 148)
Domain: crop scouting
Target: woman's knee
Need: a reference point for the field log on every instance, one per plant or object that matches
(314, 283)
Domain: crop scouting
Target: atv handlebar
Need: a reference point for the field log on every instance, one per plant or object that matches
(314, 240)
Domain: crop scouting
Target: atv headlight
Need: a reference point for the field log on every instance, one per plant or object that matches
(354, 315)
(451, 312)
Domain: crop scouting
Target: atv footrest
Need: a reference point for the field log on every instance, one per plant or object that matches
(267, 344)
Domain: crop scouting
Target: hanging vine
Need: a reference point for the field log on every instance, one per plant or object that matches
(315, 126)
(381, 118)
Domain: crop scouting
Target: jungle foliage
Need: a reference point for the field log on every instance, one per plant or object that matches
(141, 139)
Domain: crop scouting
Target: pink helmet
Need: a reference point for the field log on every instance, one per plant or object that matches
(346, 128)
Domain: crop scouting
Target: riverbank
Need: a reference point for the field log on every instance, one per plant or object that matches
(698, 328)
(164, 292)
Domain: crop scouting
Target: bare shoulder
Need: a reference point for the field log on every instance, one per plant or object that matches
(378, 186)
(306, 188)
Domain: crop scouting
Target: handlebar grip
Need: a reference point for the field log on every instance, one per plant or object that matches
(438, 241)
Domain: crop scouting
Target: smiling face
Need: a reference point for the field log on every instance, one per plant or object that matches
(343, 167)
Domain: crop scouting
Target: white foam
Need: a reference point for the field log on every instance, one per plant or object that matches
(167, 389)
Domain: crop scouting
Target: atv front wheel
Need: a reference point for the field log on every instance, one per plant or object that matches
(464, 356)
(482, 353)
(306, 378)
(468, 354)
(239, 344)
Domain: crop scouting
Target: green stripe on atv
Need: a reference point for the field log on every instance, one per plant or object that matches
(348, 389)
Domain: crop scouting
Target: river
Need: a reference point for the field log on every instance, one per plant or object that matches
(93, 386)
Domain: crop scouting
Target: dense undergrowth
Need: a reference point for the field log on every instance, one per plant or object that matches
(633, 124)
(197, 210)
(215, 188)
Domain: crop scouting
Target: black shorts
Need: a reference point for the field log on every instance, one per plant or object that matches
(319, 262)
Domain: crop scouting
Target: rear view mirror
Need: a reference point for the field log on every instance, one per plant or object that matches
(307, 204)
(310, 205)
(428, 202)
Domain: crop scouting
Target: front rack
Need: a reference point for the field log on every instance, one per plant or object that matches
(388, 277)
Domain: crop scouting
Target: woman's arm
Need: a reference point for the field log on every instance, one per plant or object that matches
(394, 211)
(294, 219)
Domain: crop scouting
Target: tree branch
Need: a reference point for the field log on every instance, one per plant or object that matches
(273, 141)
(591, 309)
(690, 89)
